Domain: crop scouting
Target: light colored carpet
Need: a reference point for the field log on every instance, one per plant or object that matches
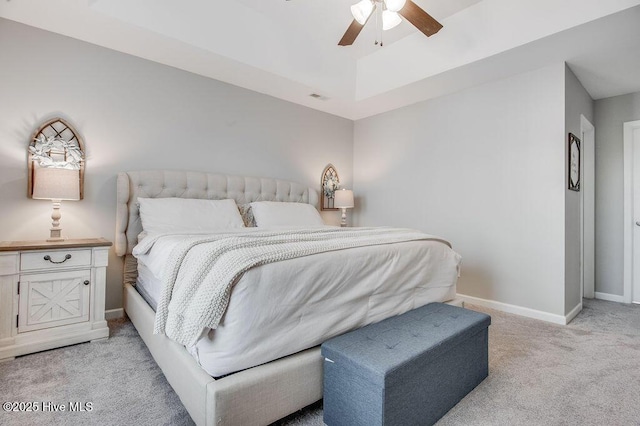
(586, 373)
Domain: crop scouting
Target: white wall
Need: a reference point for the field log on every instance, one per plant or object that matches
(484, 168)
(577, 102)
(610, 114)
(135, 114)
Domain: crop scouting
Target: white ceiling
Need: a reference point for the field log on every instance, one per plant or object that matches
(288, 49)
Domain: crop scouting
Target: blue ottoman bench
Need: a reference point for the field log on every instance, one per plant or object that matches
(406, 370)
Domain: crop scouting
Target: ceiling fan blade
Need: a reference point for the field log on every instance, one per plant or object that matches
(350, 35)
(420, 19)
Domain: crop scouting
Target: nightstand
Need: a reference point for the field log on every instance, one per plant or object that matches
(52, 294)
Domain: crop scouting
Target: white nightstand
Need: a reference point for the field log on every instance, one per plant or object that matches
(51, 294)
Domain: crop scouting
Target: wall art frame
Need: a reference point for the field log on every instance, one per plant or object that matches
(573, 156)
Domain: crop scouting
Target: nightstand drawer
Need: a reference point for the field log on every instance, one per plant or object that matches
(54, 259)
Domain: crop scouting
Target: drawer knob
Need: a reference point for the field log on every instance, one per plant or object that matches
(86, 282)
(67, 257)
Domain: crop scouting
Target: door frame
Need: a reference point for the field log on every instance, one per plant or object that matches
(587, 212)
(628, 128)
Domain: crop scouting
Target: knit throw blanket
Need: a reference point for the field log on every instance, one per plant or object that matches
(202, 270)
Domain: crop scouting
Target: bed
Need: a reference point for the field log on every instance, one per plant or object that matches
(258, 394)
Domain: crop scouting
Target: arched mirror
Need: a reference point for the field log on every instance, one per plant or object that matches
(56, 145)
(329, 183)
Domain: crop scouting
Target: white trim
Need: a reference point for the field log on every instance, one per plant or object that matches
(571, 315)
(610, 297)
(628, 128)
(514, 309)
(587, 237)
(114, 314)
(456, 302)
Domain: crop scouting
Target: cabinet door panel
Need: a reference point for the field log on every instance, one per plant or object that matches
(53, 299)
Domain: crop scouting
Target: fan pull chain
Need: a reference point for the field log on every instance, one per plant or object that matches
(382, 7)
(376, 12)
(379, 28)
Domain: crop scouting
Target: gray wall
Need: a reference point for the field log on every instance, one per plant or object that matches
(135, 114)
(577, 102)
(484, 168)
(610, 114)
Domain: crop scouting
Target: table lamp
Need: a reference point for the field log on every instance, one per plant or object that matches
(343, 200)
(56, 185)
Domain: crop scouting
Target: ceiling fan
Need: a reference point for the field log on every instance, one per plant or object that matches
(391, 12)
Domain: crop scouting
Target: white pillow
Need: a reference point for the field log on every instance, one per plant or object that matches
(188, 215)
(274, 213)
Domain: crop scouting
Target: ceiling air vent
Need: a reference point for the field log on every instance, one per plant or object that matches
(317, 96)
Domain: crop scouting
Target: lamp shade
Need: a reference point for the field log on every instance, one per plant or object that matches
(390, 20)
(394, 5)
(56, 184)
(362, 10)
(343, 199)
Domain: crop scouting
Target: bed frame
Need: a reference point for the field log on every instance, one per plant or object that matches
(256, 396)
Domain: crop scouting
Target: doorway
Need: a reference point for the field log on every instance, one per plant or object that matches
(631, 132)
(588, 207)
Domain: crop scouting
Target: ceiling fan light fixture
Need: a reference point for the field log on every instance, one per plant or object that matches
(362, 10)
(390, 20)
(392, 12)
(394, 5)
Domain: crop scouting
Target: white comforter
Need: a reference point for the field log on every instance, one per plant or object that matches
(281, 308)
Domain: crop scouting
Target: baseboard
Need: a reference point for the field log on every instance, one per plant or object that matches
(609, 297)
(514, 309)
(456, 302)
(113, 313)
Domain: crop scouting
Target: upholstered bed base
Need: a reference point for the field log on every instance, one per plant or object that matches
(257, 396)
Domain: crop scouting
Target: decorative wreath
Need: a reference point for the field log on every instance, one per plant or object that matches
(42, 147)
(331, 183)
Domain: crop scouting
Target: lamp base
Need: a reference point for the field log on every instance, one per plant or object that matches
(343, 219)
(56, 231)
(56, 235)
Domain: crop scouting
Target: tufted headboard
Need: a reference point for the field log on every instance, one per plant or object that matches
(181, 184)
